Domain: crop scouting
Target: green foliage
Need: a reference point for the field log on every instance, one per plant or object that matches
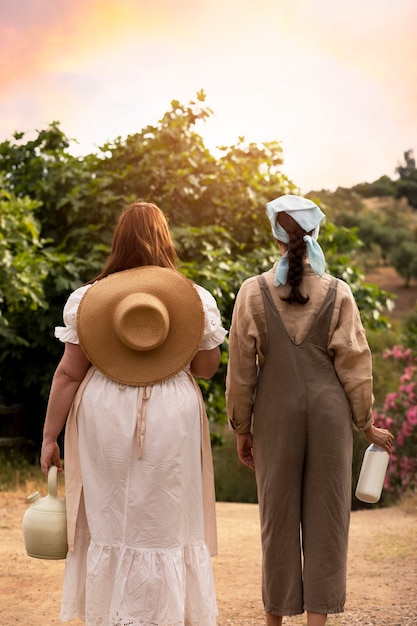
(380, 225)
(17, 469)
(385, 373)
(234, 481)
(43, 170)
(340, 245)
(74, 207)
(371, 231)
(213, 259)
(169, 164)
(52, 247)
(399, 415)
(334, 203)
(58, 213)
(338, 241)
(350, 199)
(404, 259)
(407, 184)
(23, 266)
(247, 176)
(410, 331)
(380, 188)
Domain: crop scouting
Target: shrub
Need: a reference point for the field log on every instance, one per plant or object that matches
(17, 470)
(234, 481)
(410, 330)
(399, 414)
(386, 373)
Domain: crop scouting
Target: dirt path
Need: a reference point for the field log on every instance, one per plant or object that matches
(382, 570)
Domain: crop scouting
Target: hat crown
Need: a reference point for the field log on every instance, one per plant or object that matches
(141, 326)
(141, 321)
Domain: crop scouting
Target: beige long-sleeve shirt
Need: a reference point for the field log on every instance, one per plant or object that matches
(347, 344)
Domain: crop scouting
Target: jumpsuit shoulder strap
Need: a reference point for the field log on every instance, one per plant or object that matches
(266, 294)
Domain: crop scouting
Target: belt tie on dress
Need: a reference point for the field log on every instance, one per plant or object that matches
(143, 401)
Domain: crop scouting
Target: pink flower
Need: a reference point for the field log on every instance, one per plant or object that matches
(390, 401)
(411, 415)
(406, 429)
(398, 353)
(399, 415)
(408, 373)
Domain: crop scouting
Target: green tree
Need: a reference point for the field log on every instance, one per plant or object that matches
(165, 163)
(170, 165)
(23, 266)
(380, 188)
(342, 201)
(404, 258)
(407, 184)
(340, 246)
(410, 331)
(216, 207)
(372, 231)
(74, 205)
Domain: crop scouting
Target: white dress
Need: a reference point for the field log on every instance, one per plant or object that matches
(140, 558)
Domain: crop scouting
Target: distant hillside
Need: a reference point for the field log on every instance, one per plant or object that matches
(388, 279)
(383, 223)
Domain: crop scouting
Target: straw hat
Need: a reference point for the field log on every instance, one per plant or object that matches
(141, 326)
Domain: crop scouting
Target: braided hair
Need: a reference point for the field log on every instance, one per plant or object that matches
(297, 252)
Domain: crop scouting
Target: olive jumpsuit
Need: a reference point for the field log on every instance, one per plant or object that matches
(302, 439)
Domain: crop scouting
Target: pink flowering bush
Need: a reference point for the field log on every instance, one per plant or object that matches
(399, 415)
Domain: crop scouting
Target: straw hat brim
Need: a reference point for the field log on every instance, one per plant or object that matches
(101, 341)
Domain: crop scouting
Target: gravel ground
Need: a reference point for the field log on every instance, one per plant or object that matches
(382, 570)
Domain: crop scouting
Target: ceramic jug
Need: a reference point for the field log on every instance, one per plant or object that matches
(372, 474)
(45, 522)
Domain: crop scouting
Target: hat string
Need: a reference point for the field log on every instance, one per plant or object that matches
(143, 401)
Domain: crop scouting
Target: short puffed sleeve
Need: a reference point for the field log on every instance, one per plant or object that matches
(68, 333)
(214, 333)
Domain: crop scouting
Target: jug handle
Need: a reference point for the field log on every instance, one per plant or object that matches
(53, 481)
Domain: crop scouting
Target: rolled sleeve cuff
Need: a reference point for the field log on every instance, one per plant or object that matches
(365, 424)
(239, 426)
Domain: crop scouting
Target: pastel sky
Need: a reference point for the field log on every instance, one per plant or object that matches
(335, 82)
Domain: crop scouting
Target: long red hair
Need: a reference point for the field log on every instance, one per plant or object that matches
(141, 237)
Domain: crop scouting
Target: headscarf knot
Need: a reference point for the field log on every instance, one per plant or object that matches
(308, 215)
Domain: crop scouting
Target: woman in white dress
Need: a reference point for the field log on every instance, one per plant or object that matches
(138, 466)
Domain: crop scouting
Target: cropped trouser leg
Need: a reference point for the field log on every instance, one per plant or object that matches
(304, 499)
(326, 505)
(279, 470)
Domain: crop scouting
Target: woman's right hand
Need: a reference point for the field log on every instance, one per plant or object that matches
(245, 449)
(50, 455)
(380, 437)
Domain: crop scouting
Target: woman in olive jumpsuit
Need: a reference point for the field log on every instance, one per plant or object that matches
(299, 376)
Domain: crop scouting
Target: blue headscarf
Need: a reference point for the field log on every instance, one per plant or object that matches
(308, 215)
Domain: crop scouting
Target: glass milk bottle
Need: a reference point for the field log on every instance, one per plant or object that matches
(372, 474)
